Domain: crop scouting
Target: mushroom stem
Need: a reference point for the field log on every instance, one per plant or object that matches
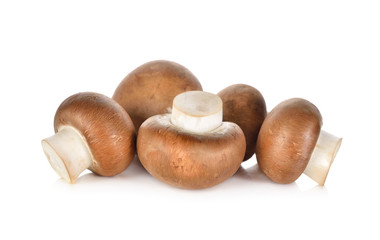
(68, 153)
(322, 157)
(197, 111)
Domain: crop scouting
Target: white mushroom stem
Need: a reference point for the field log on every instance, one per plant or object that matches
(68, 153)
(197, 111)
(322, 157)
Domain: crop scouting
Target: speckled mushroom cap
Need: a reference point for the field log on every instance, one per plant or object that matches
(189, 160)
(150, 89)
(105, 125)
(287, 139)
(245, 106)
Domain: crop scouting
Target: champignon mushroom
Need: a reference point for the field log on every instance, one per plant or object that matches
(92, 131)
(150, 89)
(191, 148)
(245, 106)
(291, 142)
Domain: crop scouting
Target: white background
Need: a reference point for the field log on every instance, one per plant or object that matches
(325, 51)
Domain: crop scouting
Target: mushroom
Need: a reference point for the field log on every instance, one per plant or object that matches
(245, 106)
(92, 131)
(291, 142)
(191, 148)
(150, 89)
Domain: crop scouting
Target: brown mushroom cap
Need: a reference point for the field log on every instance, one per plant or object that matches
(150, 89)
(189, 160)
(105, 125)
(287, 139)
(245, 106)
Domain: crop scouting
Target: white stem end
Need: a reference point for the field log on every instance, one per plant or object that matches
(68, 153)
(197, 111)
(322, 157)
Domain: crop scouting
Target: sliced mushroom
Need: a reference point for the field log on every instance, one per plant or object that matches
(92, 131)
(150, 89)
(192, 147)
(245, 106)
(291, 142)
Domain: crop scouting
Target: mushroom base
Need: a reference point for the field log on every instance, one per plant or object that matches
(322, 157)
(68, 153)
(197, 111)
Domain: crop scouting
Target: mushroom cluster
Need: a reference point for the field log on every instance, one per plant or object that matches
(186, 137)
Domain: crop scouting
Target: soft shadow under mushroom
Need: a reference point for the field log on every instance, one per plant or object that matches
(134, 170)
(255, 177)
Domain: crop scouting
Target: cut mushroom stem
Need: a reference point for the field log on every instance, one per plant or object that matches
(322, 157)
(197, 111)
(68, 153)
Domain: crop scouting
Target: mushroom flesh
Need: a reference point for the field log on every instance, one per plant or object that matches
(245, 106)
(92, 131)
(191, 148)
(291, 142)
(150, 89)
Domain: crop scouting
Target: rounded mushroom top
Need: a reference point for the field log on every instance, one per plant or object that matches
(287, 139)
(188, 159)
(105, 125)
(245, 106)
(150, 89)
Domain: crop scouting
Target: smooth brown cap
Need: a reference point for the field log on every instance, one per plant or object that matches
(150, 89)
(106, 126)
(189, 160)
(287, 139)
(245, 106)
